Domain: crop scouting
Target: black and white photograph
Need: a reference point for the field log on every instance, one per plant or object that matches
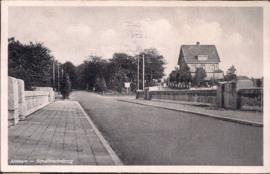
(135, 86)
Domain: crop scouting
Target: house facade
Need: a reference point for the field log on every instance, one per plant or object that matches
(205, 56)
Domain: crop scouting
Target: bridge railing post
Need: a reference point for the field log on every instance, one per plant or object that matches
(13, 111)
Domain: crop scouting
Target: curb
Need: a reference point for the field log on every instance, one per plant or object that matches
(112, 154)
(110, 94)
(203, 114)
(183, 103)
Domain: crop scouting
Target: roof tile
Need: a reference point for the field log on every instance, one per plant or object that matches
(191, 52)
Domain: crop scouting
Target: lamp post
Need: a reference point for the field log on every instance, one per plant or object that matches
(143, 72)
(58, 80)
(53, 76)
(138, 73)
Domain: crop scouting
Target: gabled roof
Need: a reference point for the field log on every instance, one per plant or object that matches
(191, 52)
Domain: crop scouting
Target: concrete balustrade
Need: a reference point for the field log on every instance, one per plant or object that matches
(36, 100)
(250, 99)
(231, 95)
(21, 103)
(197, 96)
(139, 94)
(13, 104)
(227, 95)
(21, 99)
(47, 89)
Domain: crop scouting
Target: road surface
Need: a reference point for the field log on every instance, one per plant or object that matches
(145, 135)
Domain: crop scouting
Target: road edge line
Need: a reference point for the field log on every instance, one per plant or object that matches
(112, 154)
(203, 114)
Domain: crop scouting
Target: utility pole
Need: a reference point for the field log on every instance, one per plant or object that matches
(53, 76)
(58, 80)
(138, 68)
(143, 72)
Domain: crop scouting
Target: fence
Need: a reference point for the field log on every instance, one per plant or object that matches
(22, 103)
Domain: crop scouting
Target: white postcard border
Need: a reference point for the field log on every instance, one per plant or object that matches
(159, 169)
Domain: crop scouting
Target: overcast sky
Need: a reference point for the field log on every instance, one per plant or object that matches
(73, 33)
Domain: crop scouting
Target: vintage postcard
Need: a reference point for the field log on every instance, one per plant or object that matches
(134, 86)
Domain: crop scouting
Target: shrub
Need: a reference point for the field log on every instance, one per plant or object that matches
(100, 84)
(65, 86)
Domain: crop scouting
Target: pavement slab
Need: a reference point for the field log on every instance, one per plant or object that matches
(58, 134)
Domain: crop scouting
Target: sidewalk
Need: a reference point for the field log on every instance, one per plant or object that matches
(59, 134)
(243, 117)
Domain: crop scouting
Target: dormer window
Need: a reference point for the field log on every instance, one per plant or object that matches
(202, 57)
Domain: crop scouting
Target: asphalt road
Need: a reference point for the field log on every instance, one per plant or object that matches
(144, 135)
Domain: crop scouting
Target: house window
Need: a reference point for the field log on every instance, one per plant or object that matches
(203, 66)
(216, 67)
(192, 68)
(202, 57)
(210, 68)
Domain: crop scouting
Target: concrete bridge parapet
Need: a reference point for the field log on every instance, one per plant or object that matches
(22, 103)
(13, 102)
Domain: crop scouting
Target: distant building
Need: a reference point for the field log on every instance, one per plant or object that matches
(243, 78)
(244, 82)
(205, 56)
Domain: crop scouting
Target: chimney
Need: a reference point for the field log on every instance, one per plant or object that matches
(197, 43)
